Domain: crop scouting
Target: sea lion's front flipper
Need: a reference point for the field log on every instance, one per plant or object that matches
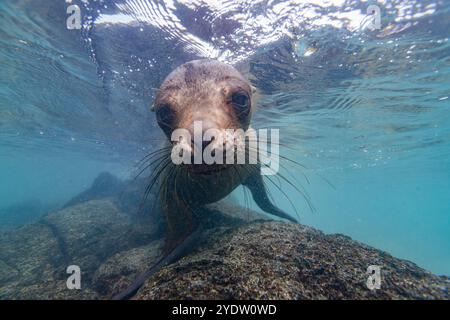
(256, 186)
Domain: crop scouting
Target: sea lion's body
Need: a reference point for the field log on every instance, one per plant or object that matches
(217, 95)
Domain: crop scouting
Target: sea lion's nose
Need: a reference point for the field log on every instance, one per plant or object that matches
(199, 129)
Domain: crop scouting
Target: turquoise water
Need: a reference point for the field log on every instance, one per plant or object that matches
(366, 112)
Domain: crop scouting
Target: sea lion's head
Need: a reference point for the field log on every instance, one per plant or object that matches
(205, 92)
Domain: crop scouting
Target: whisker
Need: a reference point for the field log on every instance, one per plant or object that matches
(305, 196)
(160, 159)
(154, 179)
(287, 159)
(246, 202)
(155, 152)
(281, 190)
(301, 166)
(302, 193)
(285, 195)
(172, 170)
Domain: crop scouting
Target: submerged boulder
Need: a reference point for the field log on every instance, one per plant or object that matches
(105, 185)
(119, 271)
(25, 212)
(129, 195)
(243, 255)
(275, 260)
(35, 257)
(239, 255)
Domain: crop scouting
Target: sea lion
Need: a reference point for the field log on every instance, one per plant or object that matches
(220, 98)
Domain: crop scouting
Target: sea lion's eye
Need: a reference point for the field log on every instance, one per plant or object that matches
(165, 117)
(240, 99)
(241, 103)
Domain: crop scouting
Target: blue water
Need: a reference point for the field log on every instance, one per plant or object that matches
(366, 112)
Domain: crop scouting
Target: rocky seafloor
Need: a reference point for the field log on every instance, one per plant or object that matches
(239, 255)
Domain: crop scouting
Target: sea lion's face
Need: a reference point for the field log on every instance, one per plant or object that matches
(204, 92)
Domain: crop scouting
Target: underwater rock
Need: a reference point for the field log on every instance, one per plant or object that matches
(240, 255)
(28, 256)
(119, 271)
(128, 195)
(104, 186)
(131, 199)
(91, 232)
(36, 257)
(275, 260)
(23, 213)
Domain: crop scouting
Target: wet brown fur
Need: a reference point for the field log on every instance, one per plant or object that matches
(200, 91)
